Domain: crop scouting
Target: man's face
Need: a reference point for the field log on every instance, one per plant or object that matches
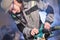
(16, 7)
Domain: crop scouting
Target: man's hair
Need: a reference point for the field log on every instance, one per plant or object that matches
(20, 1)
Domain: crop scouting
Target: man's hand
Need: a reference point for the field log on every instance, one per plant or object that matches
(34, 31)
(47, 26)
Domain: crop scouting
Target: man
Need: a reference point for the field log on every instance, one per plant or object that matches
(27, 19)
(30, 22)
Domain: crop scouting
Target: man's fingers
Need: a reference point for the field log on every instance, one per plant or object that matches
(32, 33)
(47, 26)
(36, 31)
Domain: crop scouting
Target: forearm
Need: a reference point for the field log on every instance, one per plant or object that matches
(49, 18)
(25, 30)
